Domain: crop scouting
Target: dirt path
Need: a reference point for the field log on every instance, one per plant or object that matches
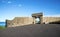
(37, 30)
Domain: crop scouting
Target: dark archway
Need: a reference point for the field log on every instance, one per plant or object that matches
(37, 20)
(39, 16)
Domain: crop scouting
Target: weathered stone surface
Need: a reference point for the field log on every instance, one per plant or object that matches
(19, 21)
(50, 19)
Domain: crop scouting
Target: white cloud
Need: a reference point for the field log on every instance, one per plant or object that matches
(19, 5)
(6, 1)
(9, 2)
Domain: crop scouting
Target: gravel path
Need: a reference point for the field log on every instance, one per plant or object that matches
(37, 30)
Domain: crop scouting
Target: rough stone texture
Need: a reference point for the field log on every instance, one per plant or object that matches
(51, 19)
(38, 15)
(19, 21)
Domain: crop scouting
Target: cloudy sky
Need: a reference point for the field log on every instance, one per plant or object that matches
(18, 8)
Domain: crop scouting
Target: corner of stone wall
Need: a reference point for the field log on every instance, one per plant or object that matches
(8, 23)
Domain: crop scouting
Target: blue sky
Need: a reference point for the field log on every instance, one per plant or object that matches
(24, 8)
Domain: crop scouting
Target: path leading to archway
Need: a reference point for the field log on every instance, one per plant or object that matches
(37, 30)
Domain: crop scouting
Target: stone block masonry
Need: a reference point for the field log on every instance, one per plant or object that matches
(19, 21)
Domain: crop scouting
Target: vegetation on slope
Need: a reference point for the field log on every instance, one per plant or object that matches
(2, 27)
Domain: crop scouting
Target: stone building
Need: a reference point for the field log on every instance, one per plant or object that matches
(20, 21)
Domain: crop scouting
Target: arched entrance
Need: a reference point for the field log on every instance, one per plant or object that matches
(37, 20)
(38, 16)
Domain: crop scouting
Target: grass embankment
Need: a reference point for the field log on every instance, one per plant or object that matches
(2, 27)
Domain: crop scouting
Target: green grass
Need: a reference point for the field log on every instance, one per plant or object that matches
(2, 27)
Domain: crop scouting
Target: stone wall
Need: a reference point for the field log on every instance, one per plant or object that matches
(50, 19)
(19, 21)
